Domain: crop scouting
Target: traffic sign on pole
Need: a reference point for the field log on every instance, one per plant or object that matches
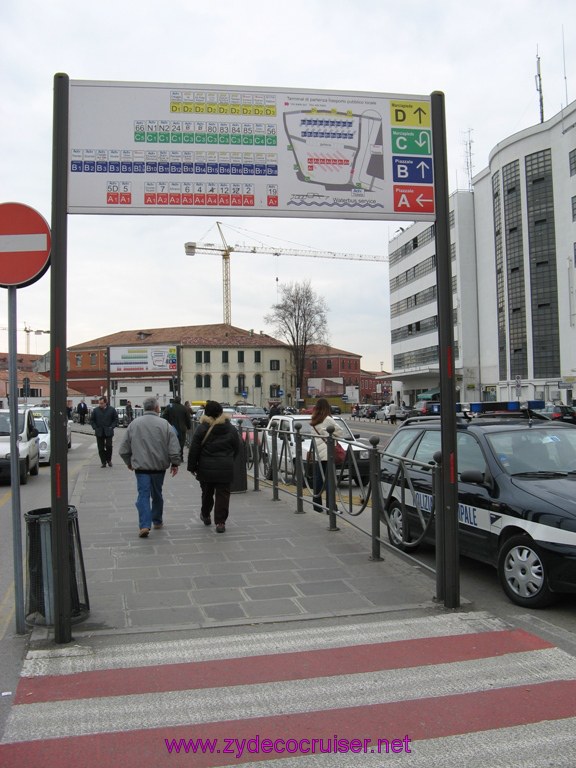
(25, 244)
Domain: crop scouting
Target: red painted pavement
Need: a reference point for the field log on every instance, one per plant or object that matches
(417, 719)
(301, 665)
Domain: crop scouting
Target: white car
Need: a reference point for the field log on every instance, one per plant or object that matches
(29, 457)
(44, 412)
(281, 428)
(383, 414)
(44, 445)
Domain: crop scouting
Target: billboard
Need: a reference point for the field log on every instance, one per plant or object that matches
(137, 359)
(146, 148)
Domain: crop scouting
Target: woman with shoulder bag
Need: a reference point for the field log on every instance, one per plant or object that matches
(320, 420)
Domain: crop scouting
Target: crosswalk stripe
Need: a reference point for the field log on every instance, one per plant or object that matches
(262, 669)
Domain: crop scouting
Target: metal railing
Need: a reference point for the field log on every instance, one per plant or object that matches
(277, 458)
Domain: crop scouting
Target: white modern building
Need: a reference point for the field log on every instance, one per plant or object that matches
(513, 251)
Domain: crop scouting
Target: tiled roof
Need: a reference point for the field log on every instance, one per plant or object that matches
(324, 349)
(217, 335)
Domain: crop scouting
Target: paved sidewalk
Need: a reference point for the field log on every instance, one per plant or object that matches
(270, 565)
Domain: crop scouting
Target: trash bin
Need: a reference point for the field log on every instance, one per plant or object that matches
(240, 479)
(40, 607)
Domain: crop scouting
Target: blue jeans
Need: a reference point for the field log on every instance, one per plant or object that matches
(150, 502)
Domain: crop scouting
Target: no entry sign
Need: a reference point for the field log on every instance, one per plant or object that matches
(24, 245)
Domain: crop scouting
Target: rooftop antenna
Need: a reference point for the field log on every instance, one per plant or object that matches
(564, 65)
(539, 87)
(468, 158)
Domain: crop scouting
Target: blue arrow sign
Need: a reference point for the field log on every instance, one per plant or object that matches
(415, 170)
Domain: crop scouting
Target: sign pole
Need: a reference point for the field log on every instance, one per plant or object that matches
(15, 463)
(58, 365)
(449, 470)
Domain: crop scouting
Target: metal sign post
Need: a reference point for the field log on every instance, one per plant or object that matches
(449, 471)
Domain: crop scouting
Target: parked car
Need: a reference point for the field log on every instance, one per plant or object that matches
(29, 455)
(335, 410)
(257, 416)
(44, 439)
(559, 413)
(44, 412)
(382, 414)
(516, 498)
(402, 412)
(281, 428)
(122, 417)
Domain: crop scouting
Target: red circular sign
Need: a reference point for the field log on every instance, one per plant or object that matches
(25, 244)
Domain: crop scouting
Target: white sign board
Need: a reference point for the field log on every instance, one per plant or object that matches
(145, 148)
(136, 359)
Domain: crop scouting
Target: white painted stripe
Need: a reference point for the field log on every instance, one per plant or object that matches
(138, 711)
(20, 243)
(88, 656)
(525, 746)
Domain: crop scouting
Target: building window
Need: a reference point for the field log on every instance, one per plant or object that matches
(258, 381)
(78, 361)
(257, 356)
(123, 389)
(224, 355)
(93, 358)
(225, 381)
(207, 356)
(198, 379)
(241, 383)
(275, 390)
(572, 161)
(147, 389)
(199, 356)
(240, 355)
(314, 365)
(207, 381)
(574, 208)
(274, 365)
(328, 365)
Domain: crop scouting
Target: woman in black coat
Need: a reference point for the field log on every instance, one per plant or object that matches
(214, 447)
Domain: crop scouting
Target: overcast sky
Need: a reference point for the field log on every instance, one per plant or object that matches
(131, 272)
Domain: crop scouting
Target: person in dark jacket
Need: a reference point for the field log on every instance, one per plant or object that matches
(215, 444)
(103, 420)
(178, 416)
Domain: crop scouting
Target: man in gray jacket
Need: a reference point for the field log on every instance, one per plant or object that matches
(149, 448)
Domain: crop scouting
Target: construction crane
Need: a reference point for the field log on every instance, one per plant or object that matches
(225, 250)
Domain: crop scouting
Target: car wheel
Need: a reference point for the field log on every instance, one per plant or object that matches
(24, 474)
(523, 573)
(394, 525)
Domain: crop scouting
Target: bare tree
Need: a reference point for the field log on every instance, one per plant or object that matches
(300, 319)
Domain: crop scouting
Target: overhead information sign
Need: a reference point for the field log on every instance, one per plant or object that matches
(145, 148)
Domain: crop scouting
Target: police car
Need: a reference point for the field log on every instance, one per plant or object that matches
(517, 496)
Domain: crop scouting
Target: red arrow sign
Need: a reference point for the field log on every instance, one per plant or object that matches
(25, 244)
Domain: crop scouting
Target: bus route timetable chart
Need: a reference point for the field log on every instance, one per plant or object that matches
(140, 148)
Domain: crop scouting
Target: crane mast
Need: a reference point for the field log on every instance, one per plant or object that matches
(225, 250)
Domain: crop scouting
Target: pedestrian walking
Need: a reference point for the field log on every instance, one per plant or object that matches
(103, 420)
(179, 417)
(82, 411)
(149, 448)
(392, 412)
(129, 412)
(320, 420)
(215, 445)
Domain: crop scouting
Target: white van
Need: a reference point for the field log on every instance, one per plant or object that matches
(27, 444)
